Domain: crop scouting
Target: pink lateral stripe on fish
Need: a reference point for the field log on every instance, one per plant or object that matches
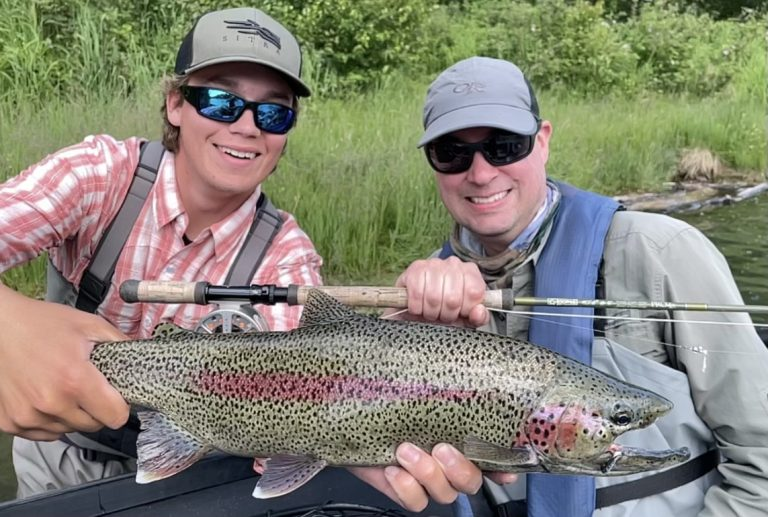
(312, 388)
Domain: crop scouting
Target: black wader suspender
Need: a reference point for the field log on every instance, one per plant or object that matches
(96, 279)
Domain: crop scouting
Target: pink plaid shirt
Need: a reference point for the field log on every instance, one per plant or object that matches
(64, 204)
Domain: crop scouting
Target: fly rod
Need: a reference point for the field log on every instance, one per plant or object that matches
(203, 293)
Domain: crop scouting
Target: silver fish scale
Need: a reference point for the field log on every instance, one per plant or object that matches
(346, 388)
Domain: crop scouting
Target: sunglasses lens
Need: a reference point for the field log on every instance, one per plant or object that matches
(449, 157)
(274, 118)
(223, 106)
(453, 157)
(506, 148)
(219, 104)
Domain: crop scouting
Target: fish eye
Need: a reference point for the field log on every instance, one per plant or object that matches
(622, 414)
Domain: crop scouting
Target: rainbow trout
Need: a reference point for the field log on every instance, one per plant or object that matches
(346, 389)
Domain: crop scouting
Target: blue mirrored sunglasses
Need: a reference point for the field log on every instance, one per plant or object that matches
(223, 106)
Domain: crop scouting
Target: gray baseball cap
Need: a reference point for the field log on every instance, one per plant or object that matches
(480, 92)
(241, 34)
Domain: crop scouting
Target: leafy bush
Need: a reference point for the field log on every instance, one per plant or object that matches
(717, 9)
(364, 40)
(54, 48)
(687, 52)
(559, 44)
(574, 46)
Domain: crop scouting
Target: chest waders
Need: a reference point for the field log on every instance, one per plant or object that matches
(574, 252)
(107, 444)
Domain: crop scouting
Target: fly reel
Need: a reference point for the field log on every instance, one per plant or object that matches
(232, 318)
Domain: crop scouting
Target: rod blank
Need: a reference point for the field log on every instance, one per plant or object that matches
(202, 293)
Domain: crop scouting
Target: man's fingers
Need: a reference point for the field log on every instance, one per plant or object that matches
(408, 491)
(462, 474)
(104, 332)
(77, 419)
(103, 402)
(479, 316)
(452, 299)
(39, 436)
(426, 472)
(376, 477)
(501, 478)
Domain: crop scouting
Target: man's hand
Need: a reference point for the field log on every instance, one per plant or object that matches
(48, 386)
(440, 476)
(446, 291)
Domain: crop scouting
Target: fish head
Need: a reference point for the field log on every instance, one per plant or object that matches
(574, 426)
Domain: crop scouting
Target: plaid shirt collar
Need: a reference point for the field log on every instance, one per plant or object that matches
(166, 203)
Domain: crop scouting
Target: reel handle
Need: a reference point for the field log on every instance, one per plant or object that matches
(133, 291)
(202, 293)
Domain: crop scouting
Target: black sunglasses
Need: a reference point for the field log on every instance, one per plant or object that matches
(451, 156)
(223, 106)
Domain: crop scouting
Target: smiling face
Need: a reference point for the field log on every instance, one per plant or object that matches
(221, 163)
(496, 203)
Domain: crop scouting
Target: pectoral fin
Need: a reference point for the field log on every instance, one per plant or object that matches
(285, 473)
(164, 448)
(489, 456)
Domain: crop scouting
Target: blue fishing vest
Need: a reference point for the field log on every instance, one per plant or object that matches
(568, 267)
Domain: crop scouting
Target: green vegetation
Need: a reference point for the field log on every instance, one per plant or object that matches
(627, 85)
(365, 194)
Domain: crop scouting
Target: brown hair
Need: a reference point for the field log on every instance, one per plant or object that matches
(173, 84)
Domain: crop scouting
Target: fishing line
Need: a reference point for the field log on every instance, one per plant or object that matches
(397, 313)
(631, 318)
(697, 349)
(595, 317)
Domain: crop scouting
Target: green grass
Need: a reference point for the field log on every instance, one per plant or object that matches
(356, 182)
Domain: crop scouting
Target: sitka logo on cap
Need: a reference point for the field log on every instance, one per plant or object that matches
(469, 87)
(253, 28)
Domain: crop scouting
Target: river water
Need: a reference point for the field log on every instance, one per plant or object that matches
(739, 230)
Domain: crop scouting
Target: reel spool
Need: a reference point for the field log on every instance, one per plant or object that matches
(232, 318)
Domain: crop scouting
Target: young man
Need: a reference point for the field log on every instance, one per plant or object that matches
(517, 229)
(227, 110)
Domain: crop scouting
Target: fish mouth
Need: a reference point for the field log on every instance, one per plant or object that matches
(621, 460)
(627, 460)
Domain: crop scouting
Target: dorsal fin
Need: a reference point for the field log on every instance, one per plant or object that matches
(323, 308)
(168, 330)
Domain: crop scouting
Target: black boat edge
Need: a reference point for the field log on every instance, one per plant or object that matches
(218, 486)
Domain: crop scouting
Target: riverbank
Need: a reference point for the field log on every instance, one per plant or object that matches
(701, 180)
(691, 196)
